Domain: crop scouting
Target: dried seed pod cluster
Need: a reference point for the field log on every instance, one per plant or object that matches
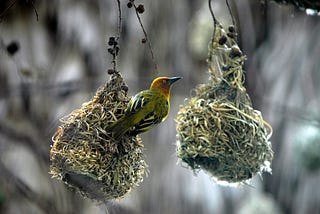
(218, 130)
(84, 155)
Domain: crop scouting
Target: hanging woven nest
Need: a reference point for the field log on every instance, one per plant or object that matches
(84, 155)
(218, 130)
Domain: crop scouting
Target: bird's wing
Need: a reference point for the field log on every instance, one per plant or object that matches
(137, 102)
(147, 122)
(145, 106)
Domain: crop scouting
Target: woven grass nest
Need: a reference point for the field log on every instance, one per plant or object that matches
(84, 155)
(218, 130)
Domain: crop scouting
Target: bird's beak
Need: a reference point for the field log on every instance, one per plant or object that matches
(174, 79)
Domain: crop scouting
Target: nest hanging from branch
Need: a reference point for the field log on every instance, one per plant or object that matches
(84, 155)
(218, 130)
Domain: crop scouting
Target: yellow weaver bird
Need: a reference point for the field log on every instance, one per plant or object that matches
(146, 109)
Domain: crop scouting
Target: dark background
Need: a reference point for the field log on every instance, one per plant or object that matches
(51, 66)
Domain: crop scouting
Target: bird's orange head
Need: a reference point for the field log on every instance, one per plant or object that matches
(163, 84)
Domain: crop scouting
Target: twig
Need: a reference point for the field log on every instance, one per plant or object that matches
(233, 20)
(6, 10)
(230, 11)
(119, 34)
(215, 21)
(146, 38)
(119, 19)
(35, 10)
(117, 39)
(13, 3)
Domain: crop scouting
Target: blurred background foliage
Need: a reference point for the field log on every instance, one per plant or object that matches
(49, 66)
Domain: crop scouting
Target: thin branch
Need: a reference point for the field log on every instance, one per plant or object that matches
(215, 21)
(13, 3)
(231, 14)
(6, 10)
(117, 39)
(35, 10)
(215, 24)
(119, 19)
(233, 20)
(147, 39)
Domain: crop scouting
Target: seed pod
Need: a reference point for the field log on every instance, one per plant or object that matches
(231, 29)
(129, 4)
(110, 50)
(124, 88)
(222, 40)
(140, 8)
(235, 51)
(111, 71)
(13, 47)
